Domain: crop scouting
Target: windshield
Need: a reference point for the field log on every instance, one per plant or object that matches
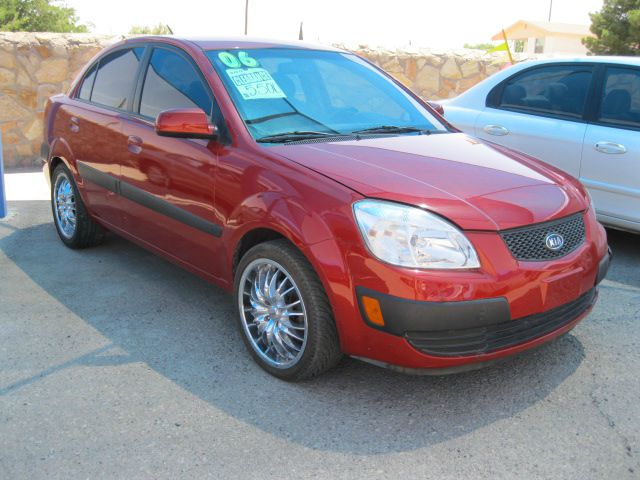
(283, 92)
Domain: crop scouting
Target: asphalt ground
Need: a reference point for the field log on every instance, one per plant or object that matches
(115, 363)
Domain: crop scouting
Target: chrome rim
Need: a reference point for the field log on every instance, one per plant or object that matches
(65, 206)
(274, 318)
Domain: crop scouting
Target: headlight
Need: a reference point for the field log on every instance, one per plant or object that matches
(411, 237)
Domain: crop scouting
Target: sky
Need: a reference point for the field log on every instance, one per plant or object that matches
(441, 24)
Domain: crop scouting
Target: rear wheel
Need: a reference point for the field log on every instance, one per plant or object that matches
(285, 316)
(74, 225)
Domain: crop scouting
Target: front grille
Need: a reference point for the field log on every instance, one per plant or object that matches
(529, 243)
(474, 341)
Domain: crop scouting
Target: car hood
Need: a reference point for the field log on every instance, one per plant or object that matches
(475, 184)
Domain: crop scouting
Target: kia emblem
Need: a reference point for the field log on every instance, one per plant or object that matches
(554, 241)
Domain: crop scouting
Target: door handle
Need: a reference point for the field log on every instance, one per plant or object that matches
(610, 147)
(134, 144)
(74, 124)
(497, 130)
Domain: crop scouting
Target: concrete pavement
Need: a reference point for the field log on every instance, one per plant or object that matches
(116, 364)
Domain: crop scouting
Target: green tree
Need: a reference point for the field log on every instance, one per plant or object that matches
(38, 16)
(160, 29)
(617, 29)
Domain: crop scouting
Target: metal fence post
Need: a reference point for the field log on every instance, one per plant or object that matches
(3, 197)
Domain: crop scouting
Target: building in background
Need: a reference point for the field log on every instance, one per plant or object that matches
(546, 37)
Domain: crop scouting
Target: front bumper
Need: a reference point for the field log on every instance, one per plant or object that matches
(475, 327)
(535, 301)
(462, 335)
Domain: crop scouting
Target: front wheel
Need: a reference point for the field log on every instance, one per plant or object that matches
(285, 317)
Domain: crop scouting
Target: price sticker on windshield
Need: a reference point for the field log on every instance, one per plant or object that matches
(255, 83)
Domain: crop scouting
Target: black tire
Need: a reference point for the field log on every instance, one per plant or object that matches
(87, 233)
(322, 349)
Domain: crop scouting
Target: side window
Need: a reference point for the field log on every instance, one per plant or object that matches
(172, 82)
(558, 90)
(87, 83)
(620, 102)
(114, 82)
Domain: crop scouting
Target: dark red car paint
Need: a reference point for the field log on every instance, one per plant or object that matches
(305, 194)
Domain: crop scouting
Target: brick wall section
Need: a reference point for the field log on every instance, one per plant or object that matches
(34, 66)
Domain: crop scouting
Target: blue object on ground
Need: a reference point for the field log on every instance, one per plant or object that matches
(3, 197)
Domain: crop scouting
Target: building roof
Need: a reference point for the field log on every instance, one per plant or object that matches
(525, 28)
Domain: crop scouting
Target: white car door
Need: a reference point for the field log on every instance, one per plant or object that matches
(611, 153)
(539, 111)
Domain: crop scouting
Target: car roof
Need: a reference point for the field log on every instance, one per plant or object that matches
(635, 61)
(230, 43)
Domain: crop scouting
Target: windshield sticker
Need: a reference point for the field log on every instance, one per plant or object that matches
(229, 60)
(255, 83)
(243, 58)
(246, 60)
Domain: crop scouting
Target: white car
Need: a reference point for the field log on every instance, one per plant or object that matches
(581, 115)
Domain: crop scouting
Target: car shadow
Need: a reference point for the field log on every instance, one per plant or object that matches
(184, 329)
(626, 258)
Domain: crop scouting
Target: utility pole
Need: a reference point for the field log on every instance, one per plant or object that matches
(550, 8)
(246, 16)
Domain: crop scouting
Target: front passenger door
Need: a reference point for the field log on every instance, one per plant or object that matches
(168, 183)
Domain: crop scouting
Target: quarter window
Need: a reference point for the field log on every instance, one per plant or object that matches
(620, 103)
(172, 82)
(87, 83)
(114, 82)
(558, 90)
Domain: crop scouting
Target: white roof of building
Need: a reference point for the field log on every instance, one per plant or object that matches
(543, 27)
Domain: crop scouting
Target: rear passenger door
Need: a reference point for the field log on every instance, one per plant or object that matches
(540, 111)
(94, 129)
(611, 154)
(168, 183)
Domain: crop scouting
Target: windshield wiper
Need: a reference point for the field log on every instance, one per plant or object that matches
(393, 129)
(294, 136)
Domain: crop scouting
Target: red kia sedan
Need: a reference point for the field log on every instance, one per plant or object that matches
(345, 214)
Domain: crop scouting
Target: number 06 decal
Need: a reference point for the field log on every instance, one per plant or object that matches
(243, 58)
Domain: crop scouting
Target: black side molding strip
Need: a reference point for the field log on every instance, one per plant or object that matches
(147, 200)
(152, 202)
(101, 179)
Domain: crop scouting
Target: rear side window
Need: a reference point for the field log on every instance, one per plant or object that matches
(87, 83)
(620, 103)
(556, 90)
(114, 82)
(172, 81)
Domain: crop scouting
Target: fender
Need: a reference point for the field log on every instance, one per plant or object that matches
(312, 233)
(61, 150)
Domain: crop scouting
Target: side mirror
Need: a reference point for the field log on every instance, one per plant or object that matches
(185, 123)
(437, 107)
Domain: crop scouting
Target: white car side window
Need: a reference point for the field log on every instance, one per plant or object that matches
(620, 102)
(557, 90)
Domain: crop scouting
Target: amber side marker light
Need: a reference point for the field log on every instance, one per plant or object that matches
(372, 309)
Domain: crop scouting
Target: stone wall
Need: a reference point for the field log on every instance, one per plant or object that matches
(434, 74)
(34, 66)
